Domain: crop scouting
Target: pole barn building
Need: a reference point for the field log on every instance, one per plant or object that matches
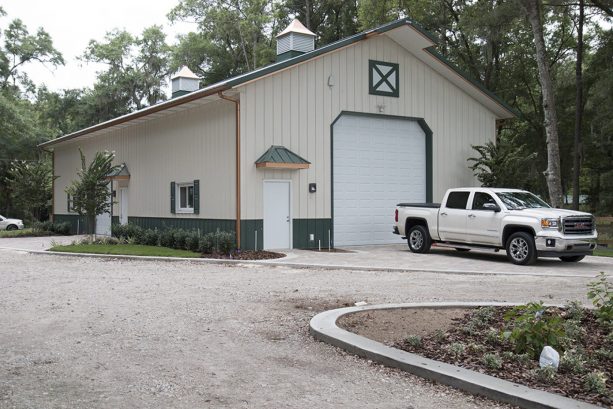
(315, 149)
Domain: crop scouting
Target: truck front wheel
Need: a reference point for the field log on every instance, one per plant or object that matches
(419, 239)
(521, 249)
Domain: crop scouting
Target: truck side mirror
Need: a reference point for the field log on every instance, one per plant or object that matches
(491, 206)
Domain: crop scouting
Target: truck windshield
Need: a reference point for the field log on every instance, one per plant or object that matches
(520, 200)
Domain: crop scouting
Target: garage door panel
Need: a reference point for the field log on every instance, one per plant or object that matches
(377, 162)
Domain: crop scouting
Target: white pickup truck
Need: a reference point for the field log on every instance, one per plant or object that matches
(494, 219)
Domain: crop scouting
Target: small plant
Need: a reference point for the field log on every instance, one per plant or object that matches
(413, 340)
(440, 336)
(192, 241)
(572, 361)
(179, 238)
(546, 374)
(482, 316)
(530, 327)
(601, 294)
(573, 331)
(604, 353)
(167, 238)
(492, 361)
(596, 381)
(456, 349)
(574, 310)
(474, 347)
(492, 336)
(470, 328)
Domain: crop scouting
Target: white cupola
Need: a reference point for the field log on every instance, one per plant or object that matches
(295, 40)
(184, 81)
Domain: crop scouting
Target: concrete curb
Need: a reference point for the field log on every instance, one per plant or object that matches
(323, 328)
(275, 263)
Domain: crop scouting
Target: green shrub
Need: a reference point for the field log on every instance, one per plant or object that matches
(127, 231)
(596, 381)
(456, 349)
(206, 244)
(492, 361)
(413, 340)
(226, 242)
(492, 336)
(440, 336)
(601, 294)
(546, 374)
(574, 310)
(42, 226)
(572, 361)
(167, 238)
(148, 237)
(179, 236)
(531, 327)
(482, 316)
(61, 228)
(192, 241)
(573, 331)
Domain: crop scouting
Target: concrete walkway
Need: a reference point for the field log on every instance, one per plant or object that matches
(393, 257)
(398, 256)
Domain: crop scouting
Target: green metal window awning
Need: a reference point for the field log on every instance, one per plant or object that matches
(279, 157)
(120, 173)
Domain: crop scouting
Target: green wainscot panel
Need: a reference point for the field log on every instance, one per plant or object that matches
(78, 224)
(202, 225)
(321, 229)
(252, 232)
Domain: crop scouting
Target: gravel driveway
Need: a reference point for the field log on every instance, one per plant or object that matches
(93, 333)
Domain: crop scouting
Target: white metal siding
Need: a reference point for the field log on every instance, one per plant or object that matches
(195, 144)
(376, 163)
(295, 108)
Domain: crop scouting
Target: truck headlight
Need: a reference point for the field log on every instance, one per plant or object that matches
(550, 223)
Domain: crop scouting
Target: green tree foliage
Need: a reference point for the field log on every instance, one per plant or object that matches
(90, 191)
(506, 163)
(31, 183)
(233, 36)
(137, 68)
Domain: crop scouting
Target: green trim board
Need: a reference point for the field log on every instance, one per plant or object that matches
(288, 54)
(424, 126)
(383, 78)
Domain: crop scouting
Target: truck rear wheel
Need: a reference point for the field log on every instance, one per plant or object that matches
(572, 259)
(419, 239)
(521, 249)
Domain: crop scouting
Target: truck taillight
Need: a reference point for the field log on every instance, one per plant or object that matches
(396, 216)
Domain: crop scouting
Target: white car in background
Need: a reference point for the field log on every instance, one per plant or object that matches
(10, 224)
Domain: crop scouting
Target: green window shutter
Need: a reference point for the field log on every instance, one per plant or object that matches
(196, 196)
(172, 198)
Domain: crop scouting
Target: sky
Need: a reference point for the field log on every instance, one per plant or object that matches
(72, 23)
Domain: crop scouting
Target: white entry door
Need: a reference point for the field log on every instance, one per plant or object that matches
(277, 218)
(123, 206)
(103, 221)
(377, 163)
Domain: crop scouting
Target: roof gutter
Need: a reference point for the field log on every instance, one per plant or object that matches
(138, 114)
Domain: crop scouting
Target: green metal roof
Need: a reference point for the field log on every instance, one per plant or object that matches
(280, 154)
(121, 170)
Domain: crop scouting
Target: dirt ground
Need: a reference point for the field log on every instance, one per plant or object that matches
(392, 326)
(101, 333)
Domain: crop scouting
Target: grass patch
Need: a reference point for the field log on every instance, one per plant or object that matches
(603, 252)
(23, 233)
(125, 249)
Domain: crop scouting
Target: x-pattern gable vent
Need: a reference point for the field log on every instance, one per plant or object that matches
(384, 78)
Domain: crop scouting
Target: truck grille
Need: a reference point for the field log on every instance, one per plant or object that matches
(578, 225)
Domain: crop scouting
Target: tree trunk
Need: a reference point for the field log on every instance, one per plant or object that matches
(552, 174)
(578, 107)
(308, 14)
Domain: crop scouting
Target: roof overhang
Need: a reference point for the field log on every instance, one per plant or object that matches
(407, 33)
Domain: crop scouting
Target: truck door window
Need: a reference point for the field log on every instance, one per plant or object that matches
(480, 199)
(457, 200)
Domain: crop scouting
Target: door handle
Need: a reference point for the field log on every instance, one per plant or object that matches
(443, 214)
(472, 216)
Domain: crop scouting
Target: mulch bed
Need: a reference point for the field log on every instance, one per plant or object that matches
(246, 255)
(472, 331)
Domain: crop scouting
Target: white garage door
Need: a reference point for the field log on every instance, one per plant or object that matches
(377, 163)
